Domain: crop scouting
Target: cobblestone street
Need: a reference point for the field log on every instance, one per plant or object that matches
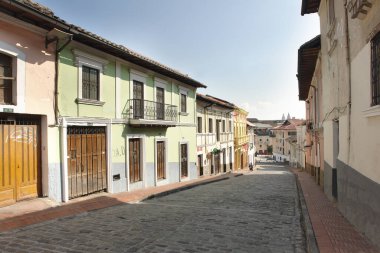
(256, 212)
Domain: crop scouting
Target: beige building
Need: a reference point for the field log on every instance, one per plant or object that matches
(263, 138)
(215, 140)
(350, 107)
(281, 144)
(241, 139)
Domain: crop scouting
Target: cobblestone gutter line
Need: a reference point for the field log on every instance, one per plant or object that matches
(311, 242)
(187, 187)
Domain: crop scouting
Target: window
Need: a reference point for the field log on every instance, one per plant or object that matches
(6, 79)
(199, 124)
(230, 126)
(90, 74)
(90, 83)
(375, 70)
(224, 126)
(210, 123)
(183, 103)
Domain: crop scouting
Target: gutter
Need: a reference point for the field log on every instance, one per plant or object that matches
(348, 62)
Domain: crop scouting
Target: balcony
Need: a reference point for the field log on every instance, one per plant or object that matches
(148, 113)
(226, 137)
(241, 140)
(206, 139)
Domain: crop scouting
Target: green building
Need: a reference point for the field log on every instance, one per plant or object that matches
(124, 121)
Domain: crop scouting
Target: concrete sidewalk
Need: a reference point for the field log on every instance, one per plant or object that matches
(39, 210)
(332, 231)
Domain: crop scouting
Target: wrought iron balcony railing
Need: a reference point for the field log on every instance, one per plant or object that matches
(139, 109)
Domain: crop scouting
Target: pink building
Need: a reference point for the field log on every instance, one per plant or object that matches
(27, 74)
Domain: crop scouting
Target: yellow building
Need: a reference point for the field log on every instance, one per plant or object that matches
(240, 139)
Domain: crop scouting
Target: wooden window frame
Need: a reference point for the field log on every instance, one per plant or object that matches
(199, 124)
(183, 103)
(10, 78)
(375, 70)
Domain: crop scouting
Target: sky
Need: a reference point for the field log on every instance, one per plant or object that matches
(245, 51)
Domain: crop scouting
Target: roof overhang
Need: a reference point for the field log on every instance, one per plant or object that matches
(42, 17)
(310, 6)
(307, 59)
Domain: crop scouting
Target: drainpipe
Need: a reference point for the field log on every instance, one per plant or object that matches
(56, 93)
(348, 59)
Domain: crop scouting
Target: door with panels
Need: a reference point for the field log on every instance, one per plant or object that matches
(160, 103)
(138, 100)
(135, 168)
(20, 169)
(184, 161)
(160, 162)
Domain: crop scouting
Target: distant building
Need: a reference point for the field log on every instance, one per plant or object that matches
(283, 133)
(215, 139)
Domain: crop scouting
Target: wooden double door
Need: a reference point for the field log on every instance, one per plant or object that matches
(87, 166)
(20, 170)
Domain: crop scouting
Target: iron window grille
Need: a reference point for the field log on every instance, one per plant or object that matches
(90, 83)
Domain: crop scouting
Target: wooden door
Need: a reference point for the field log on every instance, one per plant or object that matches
(134, 160)
(200, 165)
(161, 160)
(138, 100)
(217, 163)
(19, 161)
(160, 103)
(184, 159)
(87, 169)
(224, 161)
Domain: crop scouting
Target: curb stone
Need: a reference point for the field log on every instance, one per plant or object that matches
(311, 242)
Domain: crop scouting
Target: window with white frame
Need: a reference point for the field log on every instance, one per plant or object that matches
(12, 78)
(183, 93)
(6, 79)
(90, 71)
(183, 102)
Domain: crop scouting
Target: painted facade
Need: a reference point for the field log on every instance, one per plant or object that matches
(349, 62)
(241, 139)
(215, 141)
(127, 118)
(26, 111)
(284, 136)
(113, 120)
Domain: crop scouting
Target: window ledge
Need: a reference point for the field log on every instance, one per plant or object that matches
(89, 102)
(372, 111)
(183, 113)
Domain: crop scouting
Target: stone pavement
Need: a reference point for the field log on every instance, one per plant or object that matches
(332, 231)
(256, 212)
(39, 210)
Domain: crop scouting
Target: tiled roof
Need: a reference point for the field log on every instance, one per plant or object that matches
(290, 124)
(310, 6)
(215, 100)
(39, 15)
(307, 59)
